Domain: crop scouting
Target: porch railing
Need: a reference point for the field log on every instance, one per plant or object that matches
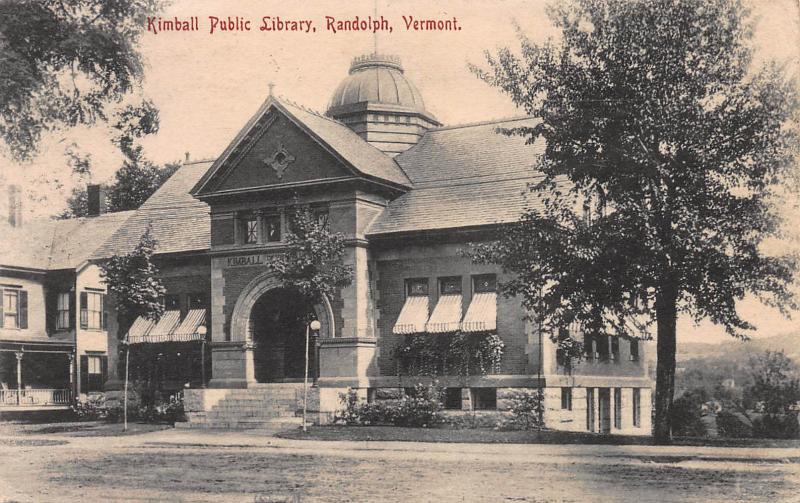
(13, 397)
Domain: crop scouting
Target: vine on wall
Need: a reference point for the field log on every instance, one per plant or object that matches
(459, 353)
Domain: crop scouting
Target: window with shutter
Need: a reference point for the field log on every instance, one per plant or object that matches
(10, 308)
(92, 306)
(62, 311)
(84, 310)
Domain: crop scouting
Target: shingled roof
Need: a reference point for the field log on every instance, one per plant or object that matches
(463, 176)
(57, 244)
(341, 141)
(178, 221)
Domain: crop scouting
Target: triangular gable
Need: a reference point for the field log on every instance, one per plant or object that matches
(284, 145)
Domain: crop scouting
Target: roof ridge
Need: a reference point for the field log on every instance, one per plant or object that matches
(309, 110)
(199, 161)
(483, 123)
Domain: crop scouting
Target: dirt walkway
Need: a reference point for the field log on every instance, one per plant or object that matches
(175, 465)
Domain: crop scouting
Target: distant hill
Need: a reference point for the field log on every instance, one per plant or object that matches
(736, 349)
(701, 365)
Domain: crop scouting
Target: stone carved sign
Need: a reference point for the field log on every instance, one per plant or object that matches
(279, 160)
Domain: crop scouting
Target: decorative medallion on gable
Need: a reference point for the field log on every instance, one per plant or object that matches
(279, 160)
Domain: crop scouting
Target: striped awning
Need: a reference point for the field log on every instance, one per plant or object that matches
(413, 316)
(481, 314)
(139, 330)
(446, 315)
(169, 328)
(187, 330)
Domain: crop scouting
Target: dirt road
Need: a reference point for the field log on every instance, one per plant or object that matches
(208, 466)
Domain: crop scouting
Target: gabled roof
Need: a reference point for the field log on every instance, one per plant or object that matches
(58, 244)
(464, 176)
(358, 155)
(178, 221)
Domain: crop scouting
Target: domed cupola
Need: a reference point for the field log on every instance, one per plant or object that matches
(377, 101)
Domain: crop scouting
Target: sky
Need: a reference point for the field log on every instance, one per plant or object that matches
(207, 85)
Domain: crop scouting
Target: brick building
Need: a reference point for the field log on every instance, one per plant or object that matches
(409, 194)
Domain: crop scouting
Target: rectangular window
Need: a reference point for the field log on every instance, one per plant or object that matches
(93, 372)
(321, 217)
(614, 348)
(92, 307)
(62, 311)
(10, 308)
(634, 350)
(172, 302)
(566, 398)
(272, 224)
(589, 409)
(452, 398)
(250, 229)
(484, 398)
(603, 347)
(618, 408)
(484, 283)
(590, 347)
(637, 405)
(197, 301)
(450, 285)
(417, 287)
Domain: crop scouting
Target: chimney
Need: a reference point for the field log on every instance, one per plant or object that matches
(14, 206)
(97, 200)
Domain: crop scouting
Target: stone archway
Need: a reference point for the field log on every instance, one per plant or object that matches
(241, 331)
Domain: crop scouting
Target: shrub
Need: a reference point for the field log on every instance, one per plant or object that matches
(686, 414)
(776, 426)
(732, 425)
(526, 411)
(422, 408)
(93, 409)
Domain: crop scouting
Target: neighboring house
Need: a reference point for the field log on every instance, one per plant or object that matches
(54, 321)
(409, 195)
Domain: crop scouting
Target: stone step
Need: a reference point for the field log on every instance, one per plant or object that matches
(282, 422)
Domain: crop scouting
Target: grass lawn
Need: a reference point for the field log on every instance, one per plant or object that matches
(77, 428)
(485, 435)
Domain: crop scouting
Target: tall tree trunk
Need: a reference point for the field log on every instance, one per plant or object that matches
(666, 318)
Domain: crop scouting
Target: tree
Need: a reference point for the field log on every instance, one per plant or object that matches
(313, 261)
(133, 281)
(664, 153)
(775, 383)
(64, 62)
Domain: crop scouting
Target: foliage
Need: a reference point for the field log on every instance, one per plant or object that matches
(91, 409)
(732, 425)
(687, 413)
(64, 62)
(459, 353)
(134, 183)
(776, 426)
(775, 386)
(526, 411)
(664, 152)
(169, 411)
(422, 408)
(568, 350)
(133, 281)
(313, 262)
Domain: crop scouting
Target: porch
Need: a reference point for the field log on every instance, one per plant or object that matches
(36, 376)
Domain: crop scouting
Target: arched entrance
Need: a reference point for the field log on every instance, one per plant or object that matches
(278, 328)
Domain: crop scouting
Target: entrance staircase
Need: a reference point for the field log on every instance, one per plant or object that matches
(261, 406)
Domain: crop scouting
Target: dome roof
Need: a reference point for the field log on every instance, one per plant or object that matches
(377, 79)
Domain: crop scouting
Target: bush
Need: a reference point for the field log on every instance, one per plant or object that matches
(169, 411)
(776, 426)
(93, 409)
(526, 411)
(732, 425)
(421, 409)
(686, 415)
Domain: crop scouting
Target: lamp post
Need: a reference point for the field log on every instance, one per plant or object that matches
(202, 331)
(314, 326)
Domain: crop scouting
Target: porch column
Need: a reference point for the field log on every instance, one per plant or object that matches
(19, 355)
(71, 357)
